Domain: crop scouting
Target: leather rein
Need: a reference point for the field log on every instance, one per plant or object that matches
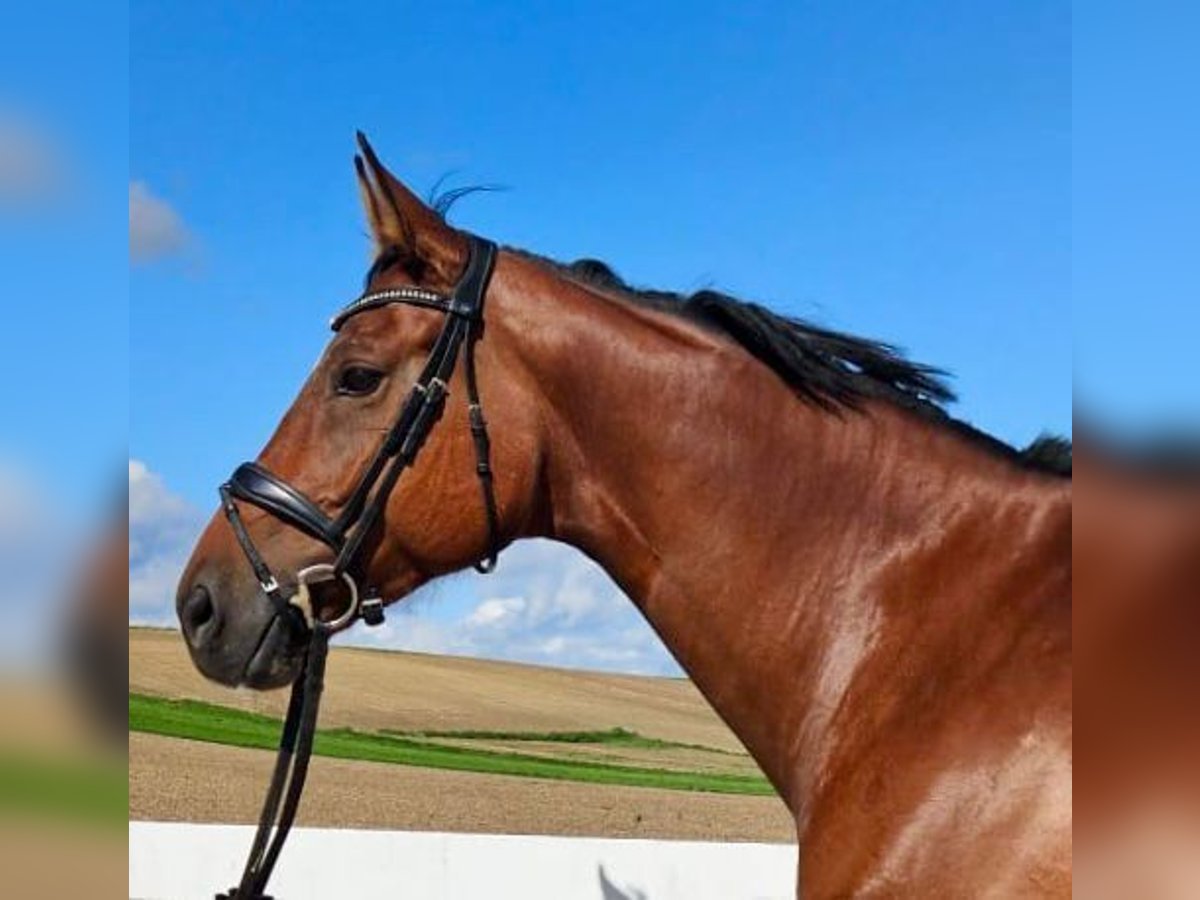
(345, 534)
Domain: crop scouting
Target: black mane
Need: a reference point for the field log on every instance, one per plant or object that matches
(825, 367)
(828, 368)
(1167, 454)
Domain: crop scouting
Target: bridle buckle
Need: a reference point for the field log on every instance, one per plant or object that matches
(371, 611)
(318, 574)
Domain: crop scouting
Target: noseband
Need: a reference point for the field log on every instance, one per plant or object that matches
(345, 534)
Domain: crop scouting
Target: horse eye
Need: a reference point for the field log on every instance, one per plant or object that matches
(358, 381)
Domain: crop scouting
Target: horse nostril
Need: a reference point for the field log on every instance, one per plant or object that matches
(198, 612)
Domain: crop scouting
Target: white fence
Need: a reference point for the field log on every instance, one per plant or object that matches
(191, 862)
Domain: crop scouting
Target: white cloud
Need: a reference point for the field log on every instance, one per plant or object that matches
(39, 552)
(31, 166)
(22, 506)
(150, 502)
(163, 527)
(546, 604)
(496, 612)
(155, 229)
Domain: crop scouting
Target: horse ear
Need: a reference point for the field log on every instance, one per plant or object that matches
(398, 218)
(386, 226)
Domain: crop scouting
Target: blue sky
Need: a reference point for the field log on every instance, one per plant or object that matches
(63, 270)
(64, 288)
(1136, 196)
(896, 170)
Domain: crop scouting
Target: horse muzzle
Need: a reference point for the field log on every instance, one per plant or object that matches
(245, 643)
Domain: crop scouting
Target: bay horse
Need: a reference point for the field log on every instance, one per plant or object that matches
(94, 634)
(874, 596)
(1136, 646)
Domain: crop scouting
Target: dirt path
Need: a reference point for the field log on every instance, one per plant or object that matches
(173, 779)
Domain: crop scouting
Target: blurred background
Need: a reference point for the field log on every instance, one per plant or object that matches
(1136, 282)
(63, 433)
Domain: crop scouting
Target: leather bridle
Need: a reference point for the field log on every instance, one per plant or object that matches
(346, 533)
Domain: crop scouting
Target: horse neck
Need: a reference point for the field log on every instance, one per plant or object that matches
(747, 526)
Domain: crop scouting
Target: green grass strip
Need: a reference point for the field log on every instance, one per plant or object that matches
(613, 737)
(195, 720)
(62, 790)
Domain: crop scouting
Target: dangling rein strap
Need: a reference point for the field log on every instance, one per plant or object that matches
(291, 768)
